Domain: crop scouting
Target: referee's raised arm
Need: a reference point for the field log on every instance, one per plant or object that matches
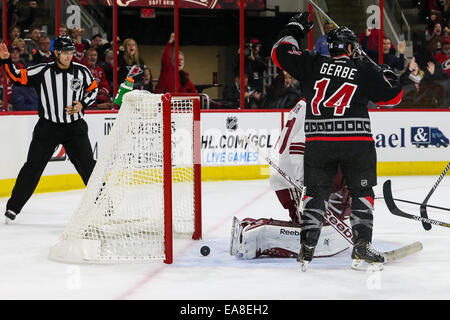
(64, 88)
(15, 75)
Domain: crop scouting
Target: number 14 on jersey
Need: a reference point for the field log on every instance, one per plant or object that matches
(339, 100)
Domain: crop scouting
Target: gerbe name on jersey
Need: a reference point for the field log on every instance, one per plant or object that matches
(336, 70)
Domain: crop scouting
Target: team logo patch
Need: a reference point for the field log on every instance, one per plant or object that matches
(232, 124)
(364, 183)
(295, 51)
(75, 84)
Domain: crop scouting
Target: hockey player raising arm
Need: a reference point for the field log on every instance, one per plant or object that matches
(337, 129)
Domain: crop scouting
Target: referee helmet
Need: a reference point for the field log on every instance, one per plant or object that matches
(64, 43)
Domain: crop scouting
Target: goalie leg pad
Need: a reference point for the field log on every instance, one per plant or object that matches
(281, 239)
(236, 241)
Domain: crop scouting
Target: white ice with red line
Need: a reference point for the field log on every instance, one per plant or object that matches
(26, 272)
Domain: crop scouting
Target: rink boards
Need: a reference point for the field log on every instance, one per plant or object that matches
(413, 142)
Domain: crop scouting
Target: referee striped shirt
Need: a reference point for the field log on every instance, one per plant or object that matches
(57, 88)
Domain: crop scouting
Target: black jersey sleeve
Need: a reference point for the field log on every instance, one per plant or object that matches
(378, 89)
(287, 56)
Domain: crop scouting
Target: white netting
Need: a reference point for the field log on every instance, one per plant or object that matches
(121, 215)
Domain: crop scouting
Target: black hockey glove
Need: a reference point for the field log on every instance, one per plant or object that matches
(298, 26)
(390, 75)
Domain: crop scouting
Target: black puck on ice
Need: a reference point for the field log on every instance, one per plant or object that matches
(205, 250)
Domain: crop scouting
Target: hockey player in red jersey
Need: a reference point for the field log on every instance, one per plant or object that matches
(337, 128)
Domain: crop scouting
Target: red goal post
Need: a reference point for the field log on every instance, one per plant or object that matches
(169, 101)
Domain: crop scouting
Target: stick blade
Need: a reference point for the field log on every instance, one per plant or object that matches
(387, 194)
(403, 251)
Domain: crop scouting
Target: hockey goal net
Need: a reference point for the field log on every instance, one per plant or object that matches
(144, 187)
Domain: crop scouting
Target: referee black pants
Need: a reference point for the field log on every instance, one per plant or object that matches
(46, 137)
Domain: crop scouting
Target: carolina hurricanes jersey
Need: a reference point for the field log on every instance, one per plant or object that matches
(337, 91)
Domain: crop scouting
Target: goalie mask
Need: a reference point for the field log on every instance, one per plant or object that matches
(339, 39)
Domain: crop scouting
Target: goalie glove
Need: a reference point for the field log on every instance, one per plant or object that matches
(298, 26)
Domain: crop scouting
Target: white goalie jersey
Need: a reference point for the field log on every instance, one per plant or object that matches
(290, 148)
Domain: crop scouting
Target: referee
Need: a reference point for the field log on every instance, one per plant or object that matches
(64, 88)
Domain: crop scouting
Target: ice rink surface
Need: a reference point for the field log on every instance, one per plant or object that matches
(26, 272)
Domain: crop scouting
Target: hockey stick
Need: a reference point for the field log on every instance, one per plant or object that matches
(387, 192)
(340, 226)
(423, 206)
(417, 203)
(359, 49)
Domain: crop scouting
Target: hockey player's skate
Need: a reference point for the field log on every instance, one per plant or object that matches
(363, 252)
(305, 256)
(10, 216)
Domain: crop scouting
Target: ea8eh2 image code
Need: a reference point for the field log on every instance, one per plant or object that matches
(246, 309)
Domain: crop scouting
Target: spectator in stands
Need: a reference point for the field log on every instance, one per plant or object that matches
(443, 57)
(8, 87)
(22, 98)
(321, 45)
(14, 12)
(434, 71)
(446, 18)
(25, 56)
(62, 32)
(281, 94)
(434, 44)
(373, 41)
(166, 81)
(420, 89)
(148, 80)
(232, 95)
(98, 43)
(129, 61)
(255, 65)
(389, 56)
(33, 41)
(13, 34)
(44, 55)
(104, 95)
(81, 45)
(413, 74)
(15, 57)
(107, 66)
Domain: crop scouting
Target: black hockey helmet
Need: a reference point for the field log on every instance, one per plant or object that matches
(339, 39)
(64, 43)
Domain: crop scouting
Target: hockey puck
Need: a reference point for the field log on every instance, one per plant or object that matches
(205, 250)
